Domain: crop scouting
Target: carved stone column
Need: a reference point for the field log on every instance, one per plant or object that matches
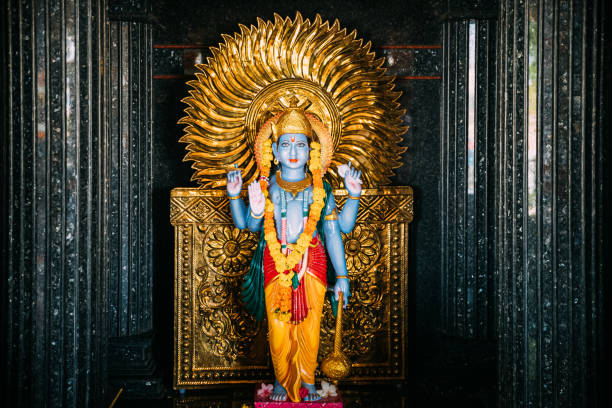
(53, 255)
(128, 188)
(468, 169)
(550, 203)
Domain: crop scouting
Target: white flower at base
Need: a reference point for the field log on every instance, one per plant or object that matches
(327, 390)
(265, 390)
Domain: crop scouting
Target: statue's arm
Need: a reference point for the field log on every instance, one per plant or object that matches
(352, 182)
(237, 205)
(348, 215)
(243, 216)
(239, 212)
(335, 249)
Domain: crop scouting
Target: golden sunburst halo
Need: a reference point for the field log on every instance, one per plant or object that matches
(333, 75)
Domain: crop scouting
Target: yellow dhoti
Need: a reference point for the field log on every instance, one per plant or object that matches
(294, 347)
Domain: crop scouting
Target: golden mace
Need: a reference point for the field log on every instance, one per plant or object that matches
(337, 365)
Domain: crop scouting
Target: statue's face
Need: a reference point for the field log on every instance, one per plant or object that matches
(292, 150)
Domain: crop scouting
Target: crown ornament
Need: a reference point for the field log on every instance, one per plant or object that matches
(292, 120)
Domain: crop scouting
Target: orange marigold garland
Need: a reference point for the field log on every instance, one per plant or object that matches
(284, 263)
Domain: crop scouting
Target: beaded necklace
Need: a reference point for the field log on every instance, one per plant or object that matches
(305, 198)
(281, 261)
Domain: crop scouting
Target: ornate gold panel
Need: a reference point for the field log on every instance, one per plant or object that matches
(217, 342)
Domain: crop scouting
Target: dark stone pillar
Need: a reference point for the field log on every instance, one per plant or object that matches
(550, 203)
(55, 290)
(467, 177)
(129, 190)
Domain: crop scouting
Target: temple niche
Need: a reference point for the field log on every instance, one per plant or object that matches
(477, 260)
(238, 99)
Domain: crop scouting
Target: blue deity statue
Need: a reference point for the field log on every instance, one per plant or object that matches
(297, 213)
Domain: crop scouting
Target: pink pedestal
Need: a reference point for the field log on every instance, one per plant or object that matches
(329, 402)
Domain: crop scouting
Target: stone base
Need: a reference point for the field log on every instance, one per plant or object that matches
(133, 368)
(329, 402)
(143, 387)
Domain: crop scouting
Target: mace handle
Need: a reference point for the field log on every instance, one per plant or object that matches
(338, 334)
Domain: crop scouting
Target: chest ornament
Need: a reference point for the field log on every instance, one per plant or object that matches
(293, 187)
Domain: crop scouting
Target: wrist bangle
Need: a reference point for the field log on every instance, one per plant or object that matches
(257, 217)
(354, 198)
(234, 197)
(342, 277)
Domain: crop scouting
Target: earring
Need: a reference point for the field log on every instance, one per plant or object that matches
(276, 161)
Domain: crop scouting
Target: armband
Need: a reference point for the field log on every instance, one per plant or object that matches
(332, 216)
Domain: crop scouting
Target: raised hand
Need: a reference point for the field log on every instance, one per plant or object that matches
(234, 183)
(257, 200)
(352, 179)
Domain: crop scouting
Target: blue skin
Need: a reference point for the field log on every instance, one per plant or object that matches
(292, 152)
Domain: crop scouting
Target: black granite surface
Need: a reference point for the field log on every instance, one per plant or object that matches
(129, 179)
(55, 332)
(551, 204)
(468, 175)
(391, 22)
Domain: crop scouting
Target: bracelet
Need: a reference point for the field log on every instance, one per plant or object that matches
(257, 217)
(353, 198)
(341, 277)
(234, 197)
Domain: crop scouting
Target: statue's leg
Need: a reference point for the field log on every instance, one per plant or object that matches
(283, 346)
(308, 335)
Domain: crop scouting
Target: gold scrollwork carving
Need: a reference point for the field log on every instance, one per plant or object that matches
(226, 329)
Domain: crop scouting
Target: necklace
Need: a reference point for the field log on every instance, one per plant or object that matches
(284, 217)
(293, 187)
(287, 262)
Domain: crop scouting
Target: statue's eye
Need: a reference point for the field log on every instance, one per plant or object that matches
(284, 144)
(301, 144)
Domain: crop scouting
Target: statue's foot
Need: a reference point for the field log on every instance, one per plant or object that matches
(278, 393)
(313, 395)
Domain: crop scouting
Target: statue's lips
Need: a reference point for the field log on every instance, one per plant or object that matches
(293, 160)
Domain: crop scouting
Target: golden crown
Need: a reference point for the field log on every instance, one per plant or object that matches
(293, 120)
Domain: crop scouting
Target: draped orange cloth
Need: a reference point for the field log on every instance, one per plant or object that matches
(294, 345)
